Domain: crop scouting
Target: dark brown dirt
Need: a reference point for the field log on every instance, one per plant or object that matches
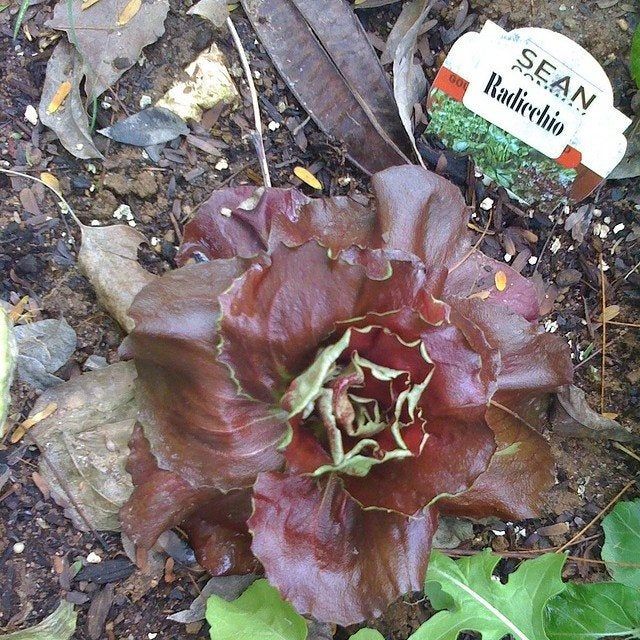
(37, 260)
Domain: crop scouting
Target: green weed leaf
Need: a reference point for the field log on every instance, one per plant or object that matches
(622, 542)
(367, 634)
(259, 612)
(590, 611)
(476, 601)
(635, 57)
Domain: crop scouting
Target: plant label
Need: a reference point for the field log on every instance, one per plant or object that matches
(533, 108)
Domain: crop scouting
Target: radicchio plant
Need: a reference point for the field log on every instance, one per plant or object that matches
(327, 381)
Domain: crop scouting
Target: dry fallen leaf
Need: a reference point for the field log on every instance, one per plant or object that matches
(71, 124)
(108, 49)
(216, 11)
(353, 82)
(108, 257)
(59, 96)
(31, 421)
(500, 280)
(571, 416)
(85, 444)
(307, 177)
(610, 313)
(132, 8)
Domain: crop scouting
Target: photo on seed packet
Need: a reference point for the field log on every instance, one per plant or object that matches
(514, 165)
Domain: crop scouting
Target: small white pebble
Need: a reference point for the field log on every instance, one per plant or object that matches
(154, 241)
(91, 168)
(343, 181)
(18, 547)
(79, 146)
(507, 257)
(123, 211)
(225, 211)
(618, 228)
(486, 204)
(105, 104)
(256, 75)
(597, 212)
(533, 260)
(131, 223)
(550, 326)
(145, 101)
(222, 164)
(607, 219)
(555, 245)
(94, 558)
(152, 636)
(31, 115)
(273, 126)
(95, 223)
(498, 533)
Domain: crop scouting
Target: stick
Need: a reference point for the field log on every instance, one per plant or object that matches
(597, 517)
(604, 335)
(256, 136)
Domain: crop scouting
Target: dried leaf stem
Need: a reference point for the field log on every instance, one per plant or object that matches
(475, 246)
(257, 134)
(604, 335)
(599, 515)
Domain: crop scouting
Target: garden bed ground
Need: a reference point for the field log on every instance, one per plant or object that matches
(37, 260)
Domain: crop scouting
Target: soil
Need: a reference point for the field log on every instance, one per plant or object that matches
(38, 259)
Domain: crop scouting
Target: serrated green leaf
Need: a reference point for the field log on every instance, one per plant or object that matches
(591, 611)
(259, 612)
(635, 57)
(622, 543)
(367, 634)
(476, 601)
(60, 625)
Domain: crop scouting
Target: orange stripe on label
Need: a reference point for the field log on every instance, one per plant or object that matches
(569, 158)
(451, 83)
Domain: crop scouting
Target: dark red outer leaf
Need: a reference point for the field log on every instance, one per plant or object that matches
(458, 450)
(513, 486)
(214, 521)
(222, 229)
(197, 424)
(330, 558)
(353, 103)
(531, 360)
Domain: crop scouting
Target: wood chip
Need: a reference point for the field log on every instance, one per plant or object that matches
(307, 177)
(132, 8)
(559, 529)
(501, 280)
(50, 180)
(59, 97)
(22, 429)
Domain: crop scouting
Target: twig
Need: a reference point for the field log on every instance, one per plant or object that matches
(630, 453)
(546, 243)
(511, 413)
(599, 515)
(604, 335)
(475, 246)
(631, 271)
(256, 136)
(624, 324)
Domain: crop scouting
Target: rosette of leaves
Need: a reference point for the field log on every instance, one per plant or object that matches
(320, 380)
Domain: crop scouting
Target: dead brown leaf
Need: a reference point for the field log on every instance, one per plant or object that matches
(85, 444)
(109, 35)
(354, 102)
(571, 416)
(70, 123)
(108, 257)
